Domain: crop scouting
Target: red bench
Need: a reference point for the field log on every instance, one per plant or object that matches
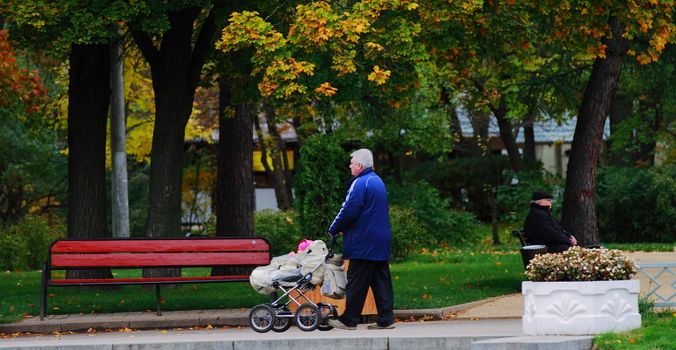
(151, 252)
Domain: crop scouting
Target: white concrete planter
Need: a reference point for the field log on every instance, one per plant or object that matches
(578, 308)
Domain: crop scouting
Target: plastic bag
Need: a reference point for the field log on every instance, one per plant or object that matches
(335, 281)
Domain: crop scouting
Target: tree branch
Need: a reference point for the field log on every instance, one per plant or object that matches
(145, 44)
(202, 46)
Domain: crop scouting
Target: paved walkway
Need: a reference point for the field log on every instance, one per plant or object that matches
(501, 315)
(434, 335)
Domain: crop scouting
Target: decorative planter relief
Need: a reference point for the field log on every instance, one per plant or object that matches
(578, 308)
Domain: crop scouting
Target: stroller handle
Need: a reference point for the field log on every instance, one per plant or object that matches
(332, 241)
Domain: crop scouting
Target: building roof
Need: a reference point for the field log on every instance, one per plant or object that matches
(546, 131)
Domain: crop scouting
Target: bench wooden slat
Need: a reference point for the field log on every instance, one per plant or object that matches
(144, 246)
(151, 252)
(159, 259)
(154, 279)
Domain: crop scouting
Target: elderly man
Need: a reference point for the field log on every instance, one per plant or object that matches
(542, 228)
(365, 223)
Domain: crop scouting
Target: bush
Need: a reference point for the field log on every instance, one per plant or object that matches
(469, 181)
(636, 204)
(26, 243)
(281, 228)
(581, 264)
(320, 184)
(513, 200)
(443, 223)
(408, 233)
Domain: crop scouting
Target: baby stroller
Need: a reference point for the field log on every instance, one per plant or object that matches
(309, 316)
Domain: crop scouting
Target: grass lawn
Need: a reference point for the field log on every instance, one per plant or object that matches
(447, 278)
(656, 333)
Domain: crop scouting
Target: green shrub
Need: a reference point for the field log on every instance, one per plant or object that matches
(408, 233)
(320, 184)
(636, 204)
(443, 223)
(281, 228)
(513, 200)
(26, 243)
(468, 181)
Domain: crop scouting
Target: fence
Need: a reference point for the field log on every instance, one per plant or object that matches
(662, 293)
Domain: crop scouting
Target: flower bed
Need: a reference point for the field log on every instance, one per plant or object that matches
(580, 291)
(581, 264)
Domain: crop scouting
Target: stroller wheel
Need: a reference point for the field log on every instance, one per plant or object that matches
(326, 311)
(262, 318)
(282, 323)
(307, 317)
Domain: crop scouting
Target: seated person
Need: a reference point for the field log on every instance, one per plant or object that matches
(542, 228)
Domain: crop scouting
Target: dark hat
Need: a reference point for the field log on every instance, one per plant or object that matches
(541, 195)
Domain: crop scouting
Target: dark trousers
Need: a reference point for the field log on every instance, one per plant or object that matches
(361, 275)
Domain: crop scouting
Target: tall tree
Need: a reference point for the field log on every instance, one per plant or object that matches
(607, 32)
(118, 136)
(88, 100)
(579, 214)
(235, 188)
(84, 29)
(175, 66)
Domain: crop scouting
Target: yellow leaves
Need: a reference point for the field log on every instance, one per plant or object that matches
(326, 89)
(374, 46)
(280, 76)
(601, 50)
(643, 58)
(247, 28)
(379, 76)
(343, 62)
(314, 23)
(412, 6)
(598, 50)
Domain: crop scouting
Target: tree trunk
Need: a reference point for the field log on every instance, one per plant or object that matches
(579, 216)
(88, 100)
(529, 138)
(118, 136)
(175, 67)
(455, 128)
(480, 121)
(235, 187)
(507, 136)
(278, 177)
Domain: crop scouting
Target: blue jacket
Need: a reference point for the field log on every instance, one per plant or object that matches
(364, 219)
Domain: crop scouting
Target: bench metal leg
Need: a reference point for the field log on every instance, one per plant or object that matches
(43, 292)
(157, 294)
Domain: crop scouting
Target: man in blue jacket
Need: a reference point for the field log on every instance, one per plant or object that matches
(364, 221)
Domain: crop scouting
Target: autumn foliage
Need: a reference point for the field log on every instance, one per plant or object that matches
(18, 85)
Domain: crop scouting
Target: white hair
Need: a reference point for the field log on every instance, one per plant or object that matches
(364, 157)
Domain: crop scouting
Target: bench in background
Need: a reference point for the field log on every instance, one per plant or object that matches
(152, 253)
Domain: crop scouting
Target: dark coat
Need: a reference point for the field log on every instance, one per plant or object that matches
(364, 219)
(542, 228)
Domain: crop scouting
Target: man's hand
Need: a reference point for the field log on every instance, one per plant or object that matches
(573, 241)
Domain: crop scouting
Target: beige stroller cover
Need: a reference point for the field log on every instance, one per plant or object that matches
(287, 269)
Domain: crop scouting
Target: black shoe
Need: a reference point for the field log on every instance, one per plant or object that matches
(377, 326)
(336, 323)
